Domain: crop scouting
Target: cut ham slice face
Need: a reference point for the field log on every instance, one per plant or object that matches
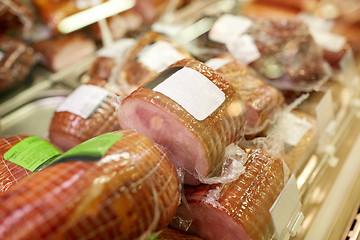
(240, 209)
(68, 129)
(130, 192)
(10, 173)
(195, 143)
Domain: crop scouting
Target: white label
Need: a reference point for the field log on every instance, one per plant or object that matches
(292, 128)
(84, 100)
(286, 211)
(217, 63)
(244, 49)
(2, 55)
(82, 4)
(228, 27)
(159, 56)
(193, 91)
(324, 112)
(117, 49)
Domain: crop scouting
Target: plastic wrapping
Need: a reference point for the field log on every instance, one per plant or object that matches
(16, 62)
(202, 110)
(282, 51)
(152, 54)
(263, 100)
(171, 234)
(238, 209)
(87, 112)
(20, 158)
(120, 185)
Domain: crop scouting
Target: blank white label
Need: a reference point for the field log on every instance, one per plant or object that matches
(159, 56)
(84, 101)
(193, 91)
(117, 49)
(244, 49)
(292, 128)
(228, 27)
(324, 112)
(217, 63)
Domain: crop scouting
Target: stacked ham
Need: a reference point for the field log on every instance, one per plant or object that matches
(128, 193)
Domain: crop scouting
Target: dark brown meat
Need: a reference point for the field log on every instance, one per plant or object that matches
(240, 209)
(16, 61)
(130, 192)
(67, 129)
(16, 19)
(35, 153)
(63, 51)
(134, 72)
(197, 145)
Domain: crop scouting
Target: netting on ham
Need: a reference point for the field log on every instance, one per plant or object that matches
(10, 173)
(196, 145)
(132, 191)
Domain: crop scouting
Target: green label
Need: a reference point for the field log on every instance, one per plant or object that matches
(31, 153)
(92, 149)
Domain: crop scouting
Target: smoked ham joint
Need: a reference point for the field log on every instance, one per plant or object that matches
(179, 119)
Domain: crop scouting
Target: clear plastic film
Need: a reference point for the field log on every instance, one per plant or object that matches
(198, 105)
(127, 192)
(21, 156)
(279, 50)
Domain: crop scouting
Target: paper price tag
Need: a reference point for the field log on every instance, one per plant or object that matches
(286, 211)
(117, 49)
(292, 128)
(229, 27)
(193, 91)
(244, 49)
(84, 101)
(159, 56)
(324, 112)
(217, 63)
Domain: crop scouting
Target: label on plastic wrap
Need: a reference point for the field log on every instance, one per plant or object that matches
(193, 91)
(90, 150)
(117, 49)
(229, 27)
(31, 153)
(159, 55)
(292, 128)
(217, 63)
(244, 49)
(286, 211)
(324, 112)
(84, 101)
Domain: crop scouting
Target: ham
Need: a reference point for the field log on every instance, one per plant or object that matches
(171, 234)
(65, 50)
(128, 193)
(16, 62)
(263, 100)
(28, 153)
(152, 54)
(196, 143)
(71, 125)
(240, 209)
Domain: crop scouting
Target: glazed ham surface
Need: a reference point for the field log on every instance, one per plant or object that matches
(10, 173)
(240, 209)
(68, 129)
(130, 192)
(196, 145)
(263, 100)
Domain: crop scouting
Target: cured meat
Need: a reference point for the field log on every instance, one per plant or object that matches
(240, 209)
(63, 51)
(152, 54)
(150, 10)
(130, 192)
(171, 234)
(11, 172)
(85, 114)
(16, 18)
(16, 61)
(262, 99)
(196, 143)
